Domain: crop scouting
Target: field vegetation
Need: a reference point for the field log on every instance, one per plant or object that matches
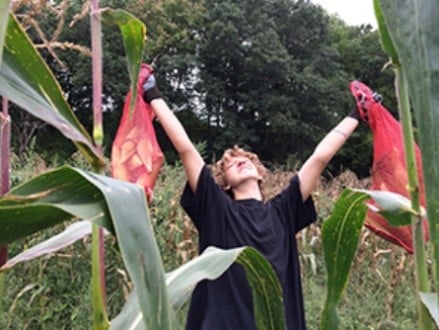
(53, 292)
(288, 94)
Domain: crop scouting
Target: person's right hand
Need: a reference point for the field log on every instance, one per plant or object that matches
(365, 98)
(150, 89)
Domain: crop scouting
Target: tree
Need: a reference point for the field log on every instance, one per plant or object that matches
(270, 78)
(171, 46)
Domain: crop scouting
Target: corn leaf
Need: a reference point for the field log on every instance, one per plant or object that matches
(26, 80)
(211, 264)
(47, 200)
(341, 232)
(430, 301)
(413, 25)
(386, 40)
(134, 36)
(395, 208)
(119, 206)
(67, 237)
(4, 14)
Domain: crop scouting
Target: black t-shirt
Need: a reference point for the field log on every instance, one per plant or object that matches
(270, 227)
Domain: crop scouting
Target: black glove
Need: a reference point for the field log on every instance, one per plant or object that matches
(151, 91)
(355, 113)
(365, 105)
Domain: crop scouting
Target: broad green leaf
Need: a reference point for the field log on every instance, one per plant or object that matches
(119, 206)
(267, 293)
(395, 208)
(46, 200)
(139, 250)
(134, 35)
(67, 237)
(431, 302)
(413, 26)
(341, 232)
(4, 14)
(26, 80)
(386, 40)
(211, 264)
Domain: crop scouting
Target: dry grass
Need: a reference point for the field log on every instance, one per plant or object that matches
(29, 12)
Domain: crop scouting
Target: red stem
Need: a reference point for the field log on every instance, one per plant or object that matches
(97, 112)
(5, 139)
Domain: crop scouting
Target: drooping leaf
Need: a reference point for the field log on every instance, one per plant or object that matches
(47, 200)
(395, 208)
(431, 302)
(4, 14)
(134, 35)
(70, 235)
(26, 80)
(210, 265)
(140, 252)
(119, 206)
(412, 25)
(341, 232)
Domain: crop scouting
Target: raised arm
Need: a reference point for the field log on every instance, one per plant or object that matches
(189, 155)
(313, 167)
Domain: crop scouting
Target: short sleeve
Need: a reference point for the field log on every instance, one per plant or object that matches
(206, 204)
(296, 214)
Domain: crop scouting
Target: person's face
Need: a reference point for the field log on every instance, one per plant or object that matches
(238, 169)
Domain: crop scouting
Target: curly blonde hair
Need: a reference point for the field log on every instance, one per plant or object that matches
(218, 169)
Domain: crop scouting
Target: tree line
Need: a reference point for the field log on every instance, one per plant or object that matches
(268, 75)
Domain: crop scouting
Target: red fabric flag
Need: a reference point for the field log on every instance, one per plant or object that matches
(389, 170)
(136, 155)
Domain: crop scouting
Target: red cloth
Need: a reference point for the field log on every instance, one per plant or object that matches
(389, 170)
(136, 155)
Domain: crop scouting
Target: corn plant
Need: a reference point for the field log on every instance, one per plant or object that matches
(92, 199)
(408, 30)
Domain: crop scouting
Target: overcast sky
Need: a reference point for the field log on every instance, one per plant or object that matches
(352, 12)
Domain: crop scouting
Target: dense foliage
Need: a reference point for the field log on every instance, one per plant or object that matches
(268, 75)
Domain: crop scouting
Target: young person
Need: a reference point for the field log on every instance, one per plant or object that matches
(228, 209)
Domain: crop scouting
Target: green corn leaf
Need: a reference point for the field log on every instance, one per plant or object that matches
(430, 301)
(119, 206)
(4, 14)
(413, 26)
(134, 35)
(341, 232)
(47, 200)
(386, 40)
(213, 262)
(395, 208)
(26, 80)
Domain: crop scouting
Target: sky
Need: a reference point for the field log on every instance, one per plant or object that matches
(352, 12)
